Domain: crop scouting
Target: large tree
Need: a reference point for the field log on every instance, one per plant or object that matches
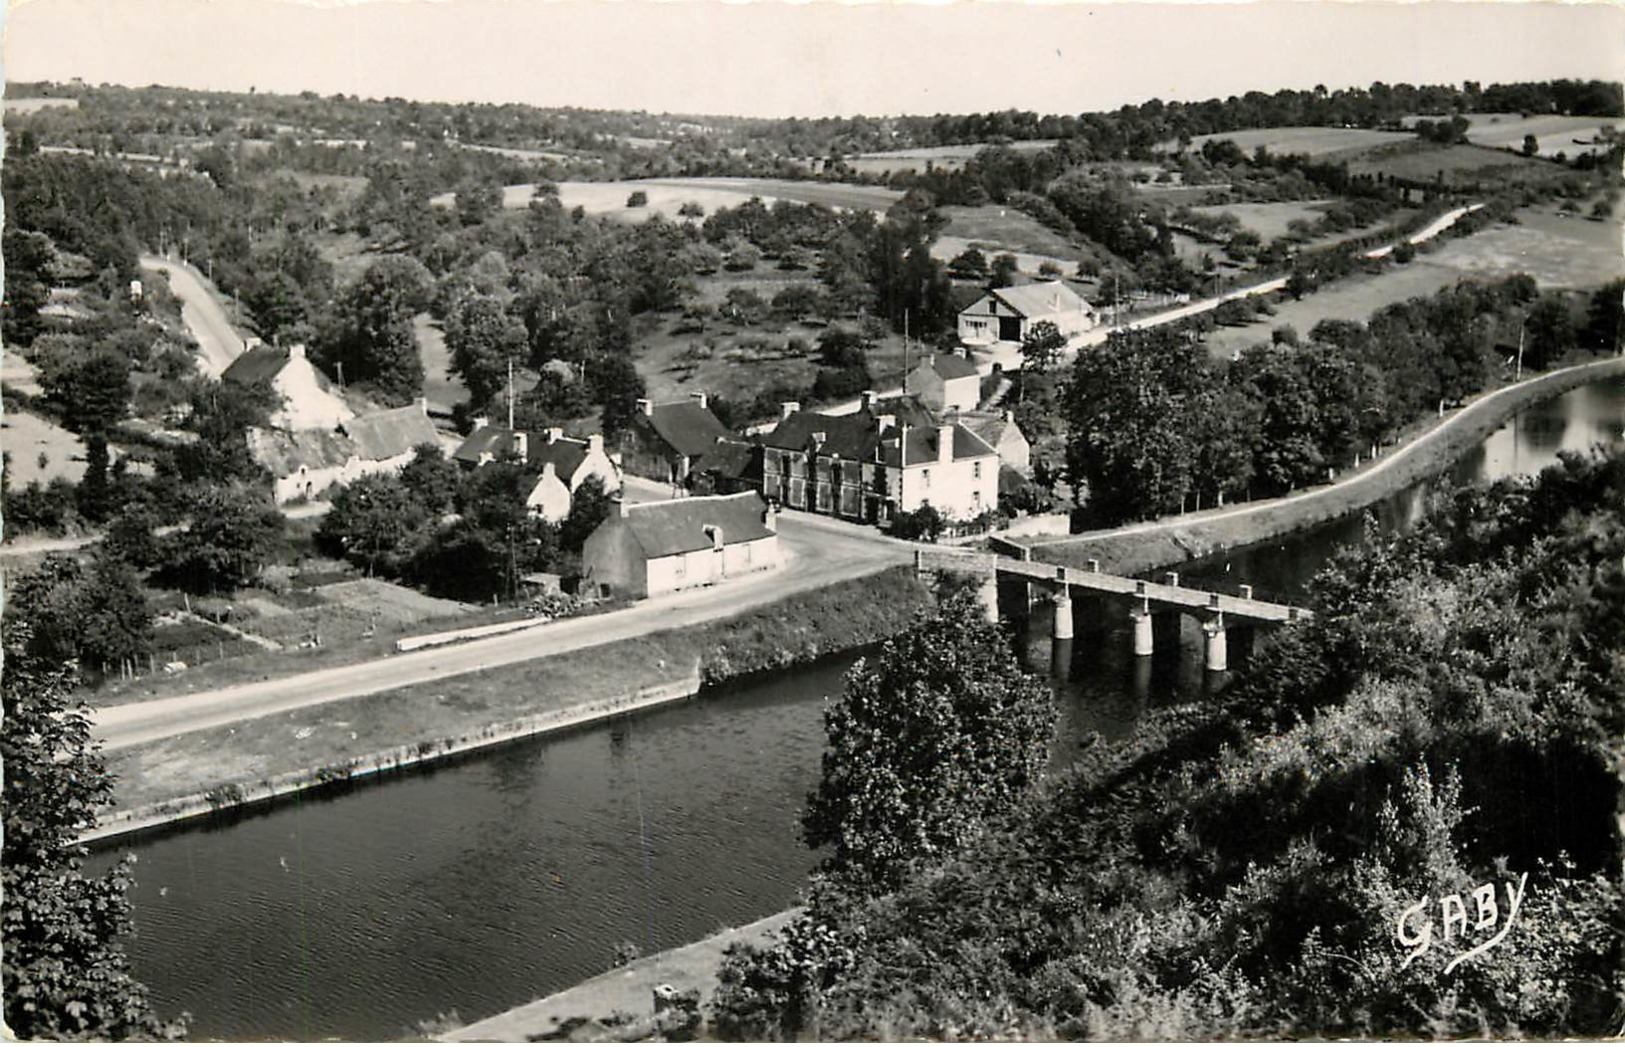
(66, 977)
(484, 339)
(370, 339)
(938, 733)
(232, 535)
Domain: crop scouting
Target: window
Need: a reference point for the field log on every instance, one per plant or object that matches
(976, 471)
(680, 568)
(925, 478)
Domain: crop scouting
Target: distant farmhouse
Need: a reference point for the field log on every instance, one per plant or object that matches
(662, 547)
(946, 382)
(664, 440)
(559, 464)
(305, 462)
(1007, 314)
(308, 399)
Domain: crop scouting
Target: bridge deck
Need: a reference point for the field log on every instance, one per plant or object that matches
(1169, 597)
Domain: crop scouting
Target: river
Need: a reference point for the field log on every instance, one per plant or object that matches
(482, 884)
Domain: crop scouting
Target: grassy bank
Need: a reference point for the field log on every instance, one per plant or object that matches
(1427, 450)
(322, 741)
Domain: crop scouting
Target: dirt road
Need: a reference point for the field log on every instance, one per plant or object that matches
(218, 342)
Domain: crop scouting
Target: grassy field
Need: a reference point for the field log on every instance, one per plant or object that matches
(28, 437)
(442, 388)
(1452, 164)
(1308, 141)
(668, 195)
(1268, 220)
(799, 628)
(1557, 252)
(941, 157)
(1556, 134)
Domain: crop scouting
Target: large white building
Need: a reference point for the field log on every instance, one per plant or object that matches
(1007, 314)
(661, 547)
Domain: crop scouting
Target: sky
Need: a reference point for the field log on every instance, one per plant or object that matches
(818, 58)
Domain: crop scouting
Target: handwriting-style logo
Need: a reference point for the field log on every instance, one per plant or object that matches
(1455, 923)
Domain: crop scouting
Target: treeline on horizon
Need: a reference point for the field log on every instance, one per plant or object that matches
(1130, 131)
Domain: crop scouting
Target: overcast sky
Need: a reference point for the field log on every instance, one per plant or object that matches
(767, 58)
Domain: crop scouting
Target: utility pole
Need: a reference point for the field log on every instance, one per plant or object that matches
(510, 393)
(905, 352)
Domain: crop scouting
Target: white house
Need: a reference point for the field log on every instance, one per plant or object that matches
(661, 547)
(303, 463)
(946, 466)
(559, 463)
(1007, 314)
(307, 397)
(946, 382)
(549, 497)
(998, 430)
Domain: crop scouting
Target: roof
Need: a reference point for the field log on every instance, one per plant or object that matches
(564, 454)
(949, 366)
(284, 453)
(991, 427)
(923, 445)
(494, 440)
(689, 428)
(260, 364)
(846, 435)
(734, 459)
(1041, 299)
(679, 525)
(387, 434)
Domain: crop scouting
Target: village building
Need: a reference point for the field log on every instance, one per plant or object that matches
(559, 464)
(307, 399)
(662, 547)
(664, 440)
(889, 457)
(304, 463)
(1007, 314)
(999, 430)
(946, 382)
(731, 466)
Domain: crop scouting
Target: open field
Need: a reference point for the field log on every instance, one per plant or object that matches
(1557, 252)
(28, 436)
(443, 389)
(518, 154)
(34, 105)
(1556, 134)
(1454, 165)
(941, 157)
(1268, 220)
(668, 195)
(1308, 141)
(1007, 229)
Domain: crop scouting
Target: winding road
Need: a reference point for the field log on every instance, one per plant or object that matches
(218, 342)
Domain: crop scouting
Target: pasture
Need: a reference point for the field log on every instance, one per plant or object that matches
(1555, 134)
(1452, 165)
(24, 106)
(941, 157)
(666, 196)
(40, 449)
(1268, 220)
(1305, 141)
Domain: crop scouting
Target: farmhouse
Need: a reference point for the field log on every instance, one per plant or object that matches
(559, 464)
(308, 400)
(664, 440)
(888, 457)
(1007, 314)
(305, 462)
(946, 382)
(998, 430)
(662, 547)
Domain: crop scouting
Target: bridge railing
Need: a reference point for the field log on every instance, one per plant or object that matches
(965, 561)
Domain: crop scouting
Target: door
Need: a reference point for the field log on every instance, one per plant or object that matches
(1009, 328)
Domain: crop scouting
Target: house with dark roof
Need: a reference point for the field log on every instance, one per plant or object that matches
(729, 467)
(664, 440)
(559, 464)
(662, 547)
(888, 457)
(1007, 314)
(998, 430)
(946, 382)
(307, 399)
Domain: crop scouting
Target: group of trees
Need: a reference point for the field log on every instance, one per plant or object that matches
(465, 535)
(1154, 423)
(1183, 883)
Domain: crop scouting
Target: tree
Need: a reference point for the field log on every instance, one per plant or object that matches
(372, 522)
(94, 613)
(936, 735)
(91, 388)
(1004, 271)
(638, 198)
(969, 264)
(616, 384)
(371, 339)
(65, 975)
(1551, 332)
(432, 478)
(1041, 349)
(590, 505)
(1531, 145)
(232, 535)
(483, 338)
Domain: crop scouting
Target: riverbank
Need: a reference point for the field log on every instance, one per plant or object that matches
(217, 769)
(1428, 451)
(626, 990)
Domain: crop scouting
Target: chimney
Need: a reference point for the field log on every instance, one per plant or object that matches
(884, 422)
(595, 443)
(714, 532)
(1009, 415)
(960, 351)
(554, 434)
(700, 398)
(902, 446)
(481, 422)
(549, 471)
(646, 407)
(521, 446)
(818, 440)
(867, 397)
(788, 408)
(770, 519)
(945, 443)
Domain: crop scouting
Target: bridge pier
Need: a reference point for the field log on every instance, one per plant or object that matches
(988, 592)
(1060, 660)
(1145, 637)
(1216, 651)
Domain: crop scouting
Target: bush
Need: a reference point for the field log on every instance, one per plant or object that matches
(639, 198)
(924, 524)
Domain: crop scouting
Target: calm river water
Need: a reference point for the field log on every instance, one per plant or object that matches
(481, 885)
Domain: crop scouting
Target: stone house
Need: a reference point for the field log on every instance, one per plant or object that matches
(946, 382)
(664, 440)
(662, 547)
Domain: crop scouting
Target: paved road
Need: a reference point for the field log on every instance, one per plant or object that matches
(218, 342)
(819, 551)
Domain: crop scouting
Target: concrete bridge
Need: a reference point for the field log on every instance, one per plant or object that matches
(1147, 601)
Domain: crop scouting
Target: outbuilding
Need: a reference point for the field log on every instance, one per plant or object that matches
(662, 547)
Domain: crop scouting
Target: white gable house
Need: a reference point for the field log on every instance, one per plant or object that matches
(1007, 314)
